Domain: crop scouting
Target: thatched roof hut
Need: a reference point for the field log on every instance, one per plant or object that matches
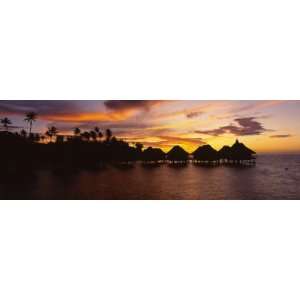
(177, 153)
(225, 152)
(205, 153)
(153, 155)
(240, 152)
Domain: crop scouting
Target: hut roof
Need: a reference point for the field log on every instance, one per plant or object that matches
(177, 153)
(238, 147)
(159, 151)
(177, 149)
(224, 149)
(204, 149)
(153, 154)
(205, 152)
(224, 152)
(155, 149)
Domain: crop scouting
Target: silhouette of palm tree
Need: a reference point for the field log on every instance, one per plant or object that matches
(49, 135)
(31, 137)
(100, 135)
(43, 138)
(139, 146)
(54, 131)
(23, 133)
(30, 117)
(5, 122)
(51, 132)
(98, 132)
(86, 135)
(37, 137)
(108, 134)
(77, 131)
(93, 135)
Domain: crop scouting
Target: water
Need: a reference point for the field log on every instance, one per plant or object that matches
(274, 177)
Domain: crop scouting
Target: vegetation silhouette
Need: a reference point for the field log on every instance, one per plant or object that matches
(26, 151)
(5, 122)
(30, 118)
(77, 131)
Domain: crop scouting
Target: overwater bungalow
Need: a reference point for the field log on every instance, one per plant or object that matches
(240, 154)
(153, 156)
(224, 154)
(177, 155)
(205, 154)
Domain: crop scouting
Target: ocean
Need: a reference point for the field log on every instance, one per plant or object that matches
(273, 177)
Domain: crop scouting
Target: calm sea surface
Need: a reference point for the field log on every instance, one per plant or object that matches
(273, 177)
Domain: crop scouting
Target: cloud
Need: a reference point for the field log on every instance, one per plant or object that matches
(280, 136)
(243, 126)
(91, 117)
(193, 114)
(42, 107)
(130, 104)
(65, 111)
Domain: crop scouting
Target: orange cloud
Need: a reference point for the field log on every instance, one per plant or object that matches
(93, 116)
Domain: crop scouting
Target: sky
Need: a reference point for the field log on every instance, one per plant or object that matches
(265, 126)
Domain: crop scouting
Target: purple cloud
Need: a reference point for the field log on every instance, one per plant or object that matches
(42, 107)
(130, 104)
(245, 126)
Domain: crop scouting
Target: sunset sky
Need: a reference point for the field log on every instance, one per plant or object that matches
(265, 126)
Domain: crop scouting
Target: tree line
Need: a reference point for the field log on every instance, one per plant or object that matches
(52, 132)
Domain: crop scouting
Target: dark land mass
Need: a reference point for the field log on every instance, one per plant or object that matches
(23, 154)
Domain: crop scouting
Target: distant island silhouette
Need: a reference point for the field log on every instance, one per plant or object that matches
(24, 151)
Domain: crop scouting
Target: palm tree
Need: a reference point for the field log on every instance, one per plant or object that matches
(37, 137)
(43, 138)
(98, 132)
(30, 117)
(23, 133)
(77, 131)
(108, 134)
(5, 122)
(86, 135)
(51, 132)
(49, 135)
(93, 135)
(100, 135)
(139, 147)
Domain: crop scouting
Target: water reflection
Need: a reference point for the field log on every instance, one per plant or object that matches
(272, 178)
